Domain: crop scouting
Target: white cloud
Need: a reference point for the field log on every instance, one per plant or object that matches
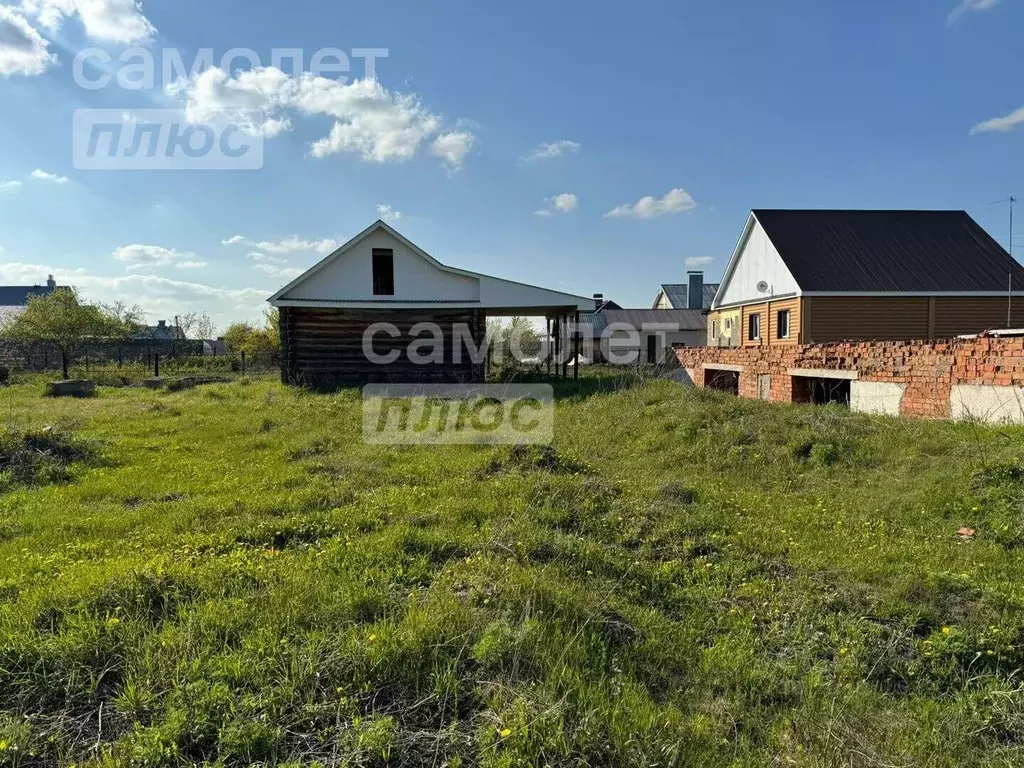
(699, 261)
(287, 272)
(9, 186)
(675, 201)
(968, 6)
(370, 121)
(44, 176)
(23, 51)
(295, 244)
(265, 257)
(563, 203)
(387, 213)
(547, 151)
(141, 257)
(159, 297)
(452, 148)
(111, 21)
(1007, 123)
(291, 244)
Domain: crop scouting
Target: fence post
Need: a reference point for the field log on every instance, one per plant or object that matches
(156, 366)
(120, 358)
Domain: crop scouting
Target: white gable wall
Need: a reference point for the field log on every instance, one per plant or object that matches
(350, 277)
(757, 260)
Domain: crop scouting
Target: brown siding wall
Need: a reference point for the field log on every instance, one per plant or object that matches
(842, 318)
(324, 347)
(769, 312)
(958, 316)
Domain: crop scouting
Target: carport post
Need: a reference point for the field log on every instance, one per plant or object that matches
(576, 348)
(548, 342)
(565, 357)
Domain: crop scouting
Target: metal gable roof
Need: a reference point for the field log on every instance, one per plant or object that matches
(889, 252)
(678, 294)
(681, 319)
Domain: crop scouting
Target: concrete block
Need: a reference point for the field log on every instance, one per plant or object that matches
(876, 397)
(71, 388)
(992, 404)
(153, 383)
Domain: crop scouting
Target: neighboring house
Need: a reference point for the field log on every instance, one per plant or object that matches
(14, 298)
(626, 336)
(159, 332)
(381, 288)
(215, 348)
(694, 294)
(808, 277)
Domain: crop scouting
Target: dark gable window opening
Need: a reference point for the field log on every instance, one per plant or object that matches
(383, 272)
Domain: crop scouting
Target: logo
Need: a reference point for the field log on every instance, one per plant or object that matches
(160, 140)
(458, 414)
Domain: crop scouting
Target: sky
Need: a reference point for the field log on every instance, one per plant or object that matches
(580, 145)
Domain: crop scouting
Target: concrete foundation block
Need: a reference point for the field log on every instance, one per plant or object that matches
(991, 404)
(153, 383)
(876, 397)
(71, 388)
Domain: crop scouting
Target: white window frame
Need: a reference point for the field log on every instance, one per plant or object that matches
(778, 323)
(754, 320)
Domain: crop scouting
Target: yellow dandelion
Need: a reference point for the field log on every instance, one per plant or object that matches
(506, 732)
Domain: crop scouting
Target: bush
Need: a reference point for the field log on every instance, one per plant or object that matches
(40, 458)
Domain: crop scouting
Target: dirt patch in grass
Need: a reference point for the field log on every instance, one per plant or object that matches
(533, 458)
(41, 457)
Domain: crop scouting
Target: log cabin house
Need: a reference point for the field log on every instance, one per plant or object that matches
(812, 277)
(380, 288)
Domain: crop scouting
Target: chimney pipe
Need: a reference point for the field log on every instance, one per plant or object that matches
(695, 295)
(161, 324)
(50, 282)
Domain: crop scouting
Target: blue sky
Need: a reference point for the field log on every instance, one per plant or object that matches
(710, 109)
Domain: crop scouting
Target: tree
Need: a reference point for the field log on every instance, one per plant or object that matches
(64, 322)
(195, 325)
(520, 339)
(262, 344)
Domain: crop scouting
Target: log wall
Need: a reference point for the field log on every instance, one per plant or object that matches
(323, 348)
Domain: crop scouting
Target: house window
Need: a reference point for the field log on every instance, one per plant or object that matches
(754, 331)
(728, 325)
(714, 329)
(383, 272)
(782, 324)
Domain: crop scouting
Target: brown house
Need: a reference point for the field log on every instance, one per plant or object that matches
(810, 277)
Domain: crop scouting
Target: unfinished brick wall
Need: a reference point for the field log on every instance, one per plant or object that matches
(928, 369)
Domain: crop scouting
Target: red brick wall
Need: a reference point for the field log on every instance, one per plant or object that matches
(929, 369)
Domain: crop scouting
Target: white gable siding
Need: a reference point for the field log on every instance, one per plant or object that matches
(757, 260)
(350, 277)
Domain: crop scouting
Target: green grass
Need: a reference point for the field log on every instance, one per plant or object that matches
(229, 575)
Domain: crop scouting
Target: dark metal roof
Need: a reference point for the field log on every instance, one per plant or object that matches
(680, 319)
(678, 294)
(890, 252)
(18, 295)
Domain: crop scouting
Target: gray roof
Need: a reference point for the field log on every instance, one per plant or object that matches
(681, 319)
(678, 294)
(890, 252)
(9, 313)
(18, 295)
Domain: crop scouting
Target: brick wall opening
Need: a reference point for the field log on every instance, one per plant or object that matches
(821, 391)
(722, 381)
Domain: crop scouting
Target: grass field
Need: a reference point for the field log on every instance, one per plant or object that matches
(230, 575)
